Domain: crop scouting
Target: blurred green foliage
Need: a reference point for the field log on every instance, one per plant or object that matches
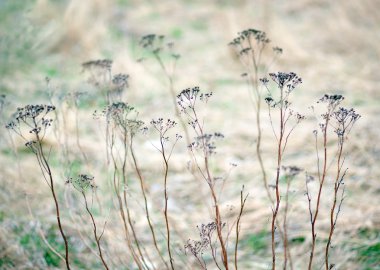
(257, 242)
(369, 255)
(6, 262)
(297, 240)
(35, 247)
(31, 241)
(17, 36)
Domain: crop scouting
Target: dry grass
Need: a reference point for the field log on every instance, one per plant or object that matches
(332, 45)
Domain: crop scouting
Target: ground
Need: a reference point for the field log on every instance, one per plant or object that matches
(331, 45)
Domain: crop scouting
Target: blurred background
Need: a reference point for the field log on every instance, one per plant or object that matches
(332, 45)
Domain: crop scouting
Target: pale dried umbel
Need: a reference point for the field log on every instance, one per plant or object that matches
(33, 119)
(156, 44)
(82, 183)
(100, 75)
(291, 171)
(341, 120)
(251, 46)
(103, 64)
(99, 71)
(344, 121)
(123, 115)
(163, 127)
(279, 101)
(197, 248)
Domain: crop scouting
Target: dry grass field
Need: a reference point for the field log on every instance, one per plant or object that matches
(332, 45)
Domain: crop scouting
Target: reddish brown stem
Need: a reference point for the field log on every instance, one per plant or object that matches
(142, 186)
(45, 166)
(279, 160)
(321, 182)
(116, 186)
(242, 203)
(285, 229)
(97, 238)
(332, 211)
(209, 180)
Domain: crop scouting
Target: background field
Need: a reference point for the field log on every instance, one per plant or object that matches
(332, 45)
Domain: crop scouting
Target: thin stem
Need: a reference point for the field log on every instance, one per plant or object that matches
(242, 203)
(170, 77)
(287, 255)
(121, 208)
(77, 134)
(337, 183)
(142, 186)
(166, 199)
(124, 180)
(324, 171)
(97, 238)
(279, 160)
(47, 169)
(209, 179)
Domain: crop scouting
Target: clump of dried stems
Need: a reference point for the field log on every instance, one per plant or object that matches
(123, 126)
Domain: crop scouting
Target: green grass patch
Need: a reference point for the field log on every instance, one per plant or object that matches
(257, 242)
(32, 242)
(369, 254)
(176, 33)
(198, 25)
(6, 263)
(297, 240)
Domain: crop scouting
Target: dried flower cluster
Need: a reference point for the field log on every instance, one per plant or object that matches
(188, 97)
(198, 247)
(258, 35)
(120, 81)
(32, 117)
(156, 45)
(331, 99)
(345, 119)
(291, 171)
(104, 64)
(282, 79)
(123, 115)
(100, 75)
(249, 45)
(163, 127)
(290, 80)
(206, 142)
(82, 183)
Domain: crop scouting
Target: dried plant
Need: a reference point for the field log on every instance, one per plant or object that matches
(100, 75)
(214, 248)
(286, 83)
(34, 119)
(243, 199)
(163, 127)
(121, 121)
(289, 173)
(82, 184)
(205, 144)
(341, 120)
(198, 247)
(250, 45)
(157, 46)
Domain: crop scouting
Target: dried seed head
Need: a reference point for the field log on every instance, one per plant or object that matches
(290, 80)
(82, 182)
(291, 171)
